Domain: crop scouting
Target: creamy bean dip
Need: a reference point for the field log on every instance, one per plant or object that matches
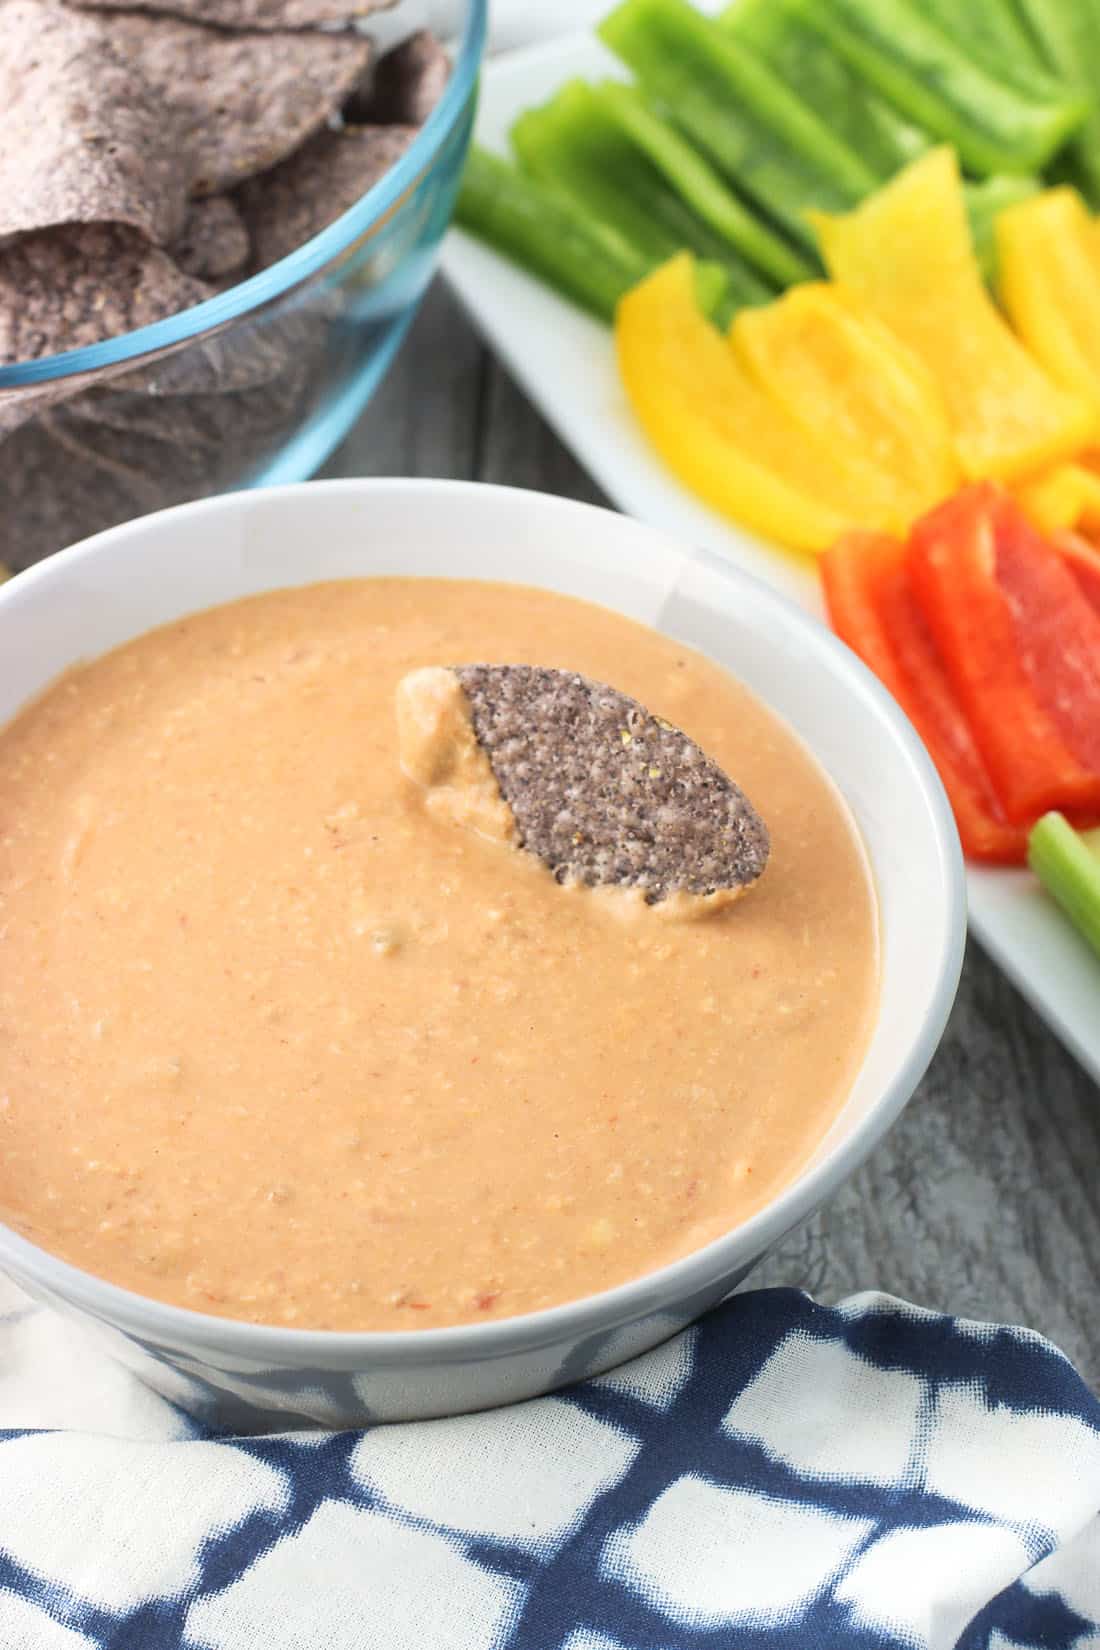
(282, 1044)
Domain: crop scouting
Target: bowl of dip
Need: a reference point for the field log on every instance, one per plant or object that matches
(321, 1110)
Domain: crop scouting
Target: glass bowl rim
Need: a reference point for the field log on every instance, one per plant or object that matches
(298, 266)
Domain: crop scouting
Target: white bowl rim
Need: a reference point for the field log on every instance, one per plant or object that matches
(144, 1316)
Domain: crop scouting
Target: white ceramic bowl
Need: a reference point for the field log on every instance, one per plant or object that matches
(124, 581)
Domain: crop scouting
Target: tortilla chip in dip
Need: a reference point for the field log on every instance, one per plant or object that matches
(602, 791)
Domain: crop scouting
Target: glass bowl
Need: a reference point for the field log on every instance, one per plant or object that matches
(259, 384)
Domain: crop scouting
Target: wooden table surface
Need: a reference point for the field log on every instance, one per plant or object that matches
(985, 1199)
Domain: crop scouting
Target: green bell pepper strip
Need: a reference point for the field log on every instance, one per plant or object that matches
(994, 126)
(571, 144)
(827, 82)
(1068, 35)
(756, 130)
(1067, 863)
(717, 295)
(993, 33)
(547, 234)
(984, 201)
(700, 185)
(544, 232)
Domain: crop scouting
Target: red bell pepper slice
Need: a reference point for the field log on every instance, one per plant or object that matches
(1057, 632)
(872, 607)
(1082, 558)
(1021, 647)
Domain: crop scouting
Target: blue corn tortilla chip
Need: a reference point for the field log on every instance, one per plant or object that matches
(606, 793)
(64, 288)
(252, 14)
(213, 242)
(107, 455)
(403, 87)
(83, 136)
(242, 102)
(299, 198)
(52, 497)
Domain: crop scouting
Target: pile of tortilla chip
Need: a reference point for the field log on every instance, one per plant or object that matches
(153, 153)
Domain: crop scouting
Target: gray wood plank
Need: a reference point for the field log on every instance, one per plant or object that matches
(520, 450)
(985, 1199)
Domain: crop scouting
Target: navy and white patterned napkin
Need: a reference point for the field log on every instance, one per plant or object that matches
(781, 1477)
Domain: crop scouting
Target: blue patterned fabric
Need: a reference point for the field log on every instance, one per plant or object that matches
(783, 1475)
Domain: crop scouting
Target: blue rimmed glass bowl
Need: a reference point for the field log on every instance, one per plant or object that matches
(258, 384)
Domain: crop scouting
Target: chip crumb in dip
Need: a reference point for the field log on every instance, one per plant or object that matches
(283, 1044)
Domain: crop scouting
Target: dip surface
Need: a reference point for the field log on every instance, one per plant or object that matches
(281, 1045)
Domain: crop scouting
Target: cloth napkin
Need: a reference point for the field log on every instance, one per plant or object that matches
(783, 1476)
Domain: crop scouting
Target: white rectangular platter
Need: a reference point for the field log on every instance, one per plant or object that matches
(565, 364)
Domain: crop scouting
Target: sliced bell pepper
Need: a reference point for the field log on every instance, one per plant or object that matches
(1090, 458)
(994, 35)
(1050, 286)
(1057, 632)
(872, 607)
(700, 186)
(753, 127)
(944, 87)
(1021, 646)
(827, 83)
(1087, 519)
(734, 445)
(1063, 498)
(1068, 34)
(571, 143)
(906, 253)
(1083, 560)
(1051, 500)
(1067, 863)
(835, 368)
(546, 233)
(986, 199)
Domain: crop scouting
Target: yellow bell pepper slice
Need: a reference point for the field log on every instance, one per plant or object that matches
(1050, 286)
(1052, 499)
(1065, 497)
(717, 430)
(906, 254)
(1088, 513)
(837, 370)
(1089, 460)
